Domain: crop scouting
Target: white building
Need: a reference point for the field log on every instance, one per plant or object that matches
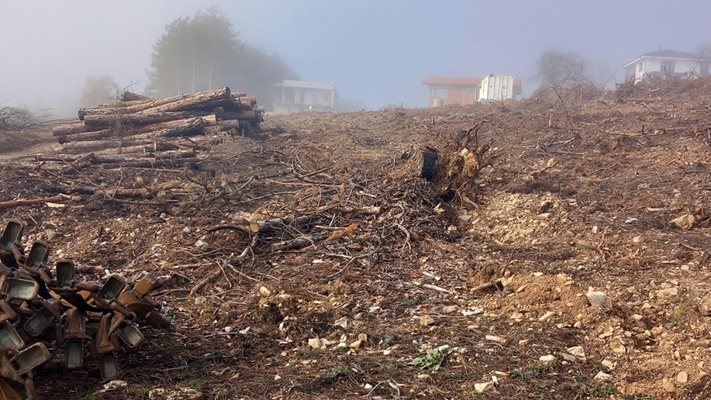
(666, 63)
(499, 87)
(297, 96)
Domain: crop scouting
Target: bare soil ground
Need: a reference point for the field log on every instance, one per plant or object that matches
(580, 194)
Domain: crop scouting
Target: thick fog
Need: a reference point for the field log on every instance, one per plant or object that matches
(376, 51)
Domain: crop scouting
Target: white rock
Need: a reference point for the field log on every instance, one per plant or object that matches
(668, 293)
(315, 343)
(342, 322)
(264, 292)
(597, 298)
(547, 358)
(602, 377)
(546, 316)
(578, 352)
(483, 387)
(517, 316)
(115, 384)
(682, 377)
(493, 338)
(668, 386)
(609, 365)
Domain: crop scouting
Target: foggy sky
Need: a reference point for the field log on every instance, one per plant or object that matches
(378, 51)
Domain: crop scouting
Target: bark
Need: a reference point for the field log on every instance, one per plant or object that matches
(168, 104)
(28, 202)
(112, 120)
(130, 96)
(168, 129)
(69, 129)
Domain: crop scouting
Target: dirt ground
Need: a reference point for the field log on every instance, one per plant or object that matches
(410, 296)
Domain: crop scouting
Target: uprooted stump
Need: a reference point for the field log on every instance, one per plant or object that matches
(454, 166)
(42, 309)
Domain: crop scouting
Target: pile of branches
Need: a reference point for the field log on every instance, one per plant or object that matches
(42, 309)
(172, 128)
(13, 118)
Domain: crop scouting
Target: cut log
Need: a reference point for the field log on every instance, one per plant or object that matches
(69, 129)
(130, 96)
(27, 202)
(175, 154)
(111, 120)
(168, 104)
(165, 129)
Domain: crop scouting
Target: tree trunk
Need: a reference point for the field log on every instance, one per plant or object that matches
(166, 129)
(176, 103)
(110, 120)
(69, 129)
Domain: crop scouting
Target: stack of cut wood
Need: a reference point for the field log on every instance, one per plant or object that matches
(173, 128)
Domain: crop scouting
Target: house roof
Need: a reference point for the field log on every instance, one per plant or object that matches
(308, 84)
(452, 81)
(668, 54)
(672, 54)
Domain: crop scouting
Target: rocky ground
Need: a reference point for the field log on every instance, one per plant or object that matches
(577, 267)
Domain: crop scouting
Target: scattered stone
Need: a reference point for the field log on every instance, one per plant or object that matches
(547, 359)
(668, 386)
(568, 357)
(115, 384)
(201, 244)
(264, 292)
(684, 222)
(494, 338)
(426, 320)
(597, 298)
(200, 300)
(602, 377)
(668, 293)
(342, 322)
(156, 394)
(578, 352)
(546, 316)
(184, 393)
(609, 365)
(517, 316)
(483, 387)
(705, 305)
(449, 309)
(315, 343)
(682, 377)
(637, 239)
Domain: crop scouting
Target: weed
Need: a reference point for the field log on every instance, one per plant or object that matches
(679, 312)
(388, 340)
(138, 392)
(335, 373)
(532, 371)
(603, 391)
(433, 359)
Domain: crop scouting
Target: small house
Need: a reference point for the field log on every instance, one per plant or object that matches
(666, 63)
(298, 96)
(447, 90)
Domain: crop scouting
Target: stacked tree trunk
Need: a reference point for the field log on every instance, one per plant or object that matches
(139, 128)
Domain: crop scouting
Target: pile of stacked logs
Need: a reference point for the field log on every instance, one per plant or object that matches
(43, 309)
(173, 128)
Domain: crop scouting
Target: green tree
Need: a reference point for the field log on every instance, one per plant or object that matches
(204, 52)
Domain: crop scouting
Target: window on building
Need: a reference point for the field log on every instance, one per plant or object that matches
(439, 92)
